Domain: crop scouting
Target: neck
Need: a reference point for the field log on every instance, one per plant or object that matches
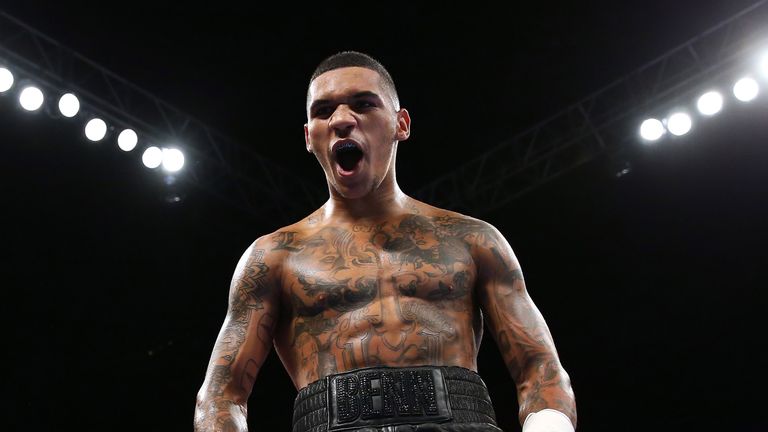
(383, 202)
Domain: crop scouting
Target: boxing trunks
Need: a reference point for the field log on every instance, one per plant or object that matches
(393, 399)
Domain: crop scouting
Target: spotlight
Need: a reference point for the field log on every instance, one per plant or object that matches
(710, 103)
(6, 80)
(746, 89)
(152, 157)
(95, 129)
(69, 105)
(651, 129)
(31, 98)
(127, 140)
(173, 159)
(679, 123)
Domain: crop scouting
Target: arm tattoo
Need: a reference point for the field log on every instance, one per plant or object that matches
(524, 340)
(217, 409)
(251, 286)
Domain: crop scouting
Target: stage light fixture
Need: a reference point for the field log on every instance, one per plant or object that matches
(679, 123)
(746, 89)
(127, 140)
(31, 98)
(95, 129)
(173, 159)
(710, 103)
(152, 157)
(652, 129)
(69, 105)
(6, 80)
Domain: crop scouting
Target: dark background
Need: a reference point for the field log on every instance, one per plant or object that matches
(652, 283)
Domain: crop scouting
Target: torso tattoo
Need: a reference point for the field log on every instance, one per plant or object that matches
(402, 292)
(396, 293)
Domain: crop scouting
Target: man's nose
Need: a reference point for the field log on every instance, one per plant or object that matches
(342, 120)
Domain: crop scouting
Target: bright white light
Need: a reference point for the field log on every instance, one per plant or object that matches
(31, 98)
(173, 159)
(6, 80)
(69, 105)
(764, 65)
(127, 140)
(679, 123)
(152, 157)
(746, 89)
(651, 130)
(95, 129)
(710, 103)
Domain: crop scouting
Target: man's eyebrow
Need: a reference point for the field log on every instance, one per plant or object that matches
(366, 93)
(358, 95)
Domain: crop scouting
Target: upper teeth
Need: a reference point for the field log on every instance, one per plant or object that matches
(345, 145)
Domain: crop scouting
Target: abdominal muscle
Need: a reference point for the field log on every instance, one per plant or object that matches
(390, 331)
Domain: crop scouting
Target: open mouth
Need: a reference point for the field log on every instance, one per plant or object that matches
(348, 155)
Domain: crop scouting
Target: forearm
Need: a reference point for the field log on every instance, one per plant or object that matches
(222, 401)
(243, 343)
(219, 414)
(547, 386)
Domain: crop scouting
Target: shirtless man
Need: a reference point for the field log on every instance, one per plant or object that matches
(375, 302)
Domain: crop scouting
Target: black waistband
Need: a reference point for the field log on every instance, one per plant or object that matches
(386, 396)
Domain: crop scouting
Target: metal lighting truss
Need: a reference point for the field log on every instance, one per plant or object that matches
(602, 122)
(214, 162)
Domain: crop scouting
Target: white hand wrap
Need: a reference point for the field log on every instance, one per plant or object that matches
(547, 420)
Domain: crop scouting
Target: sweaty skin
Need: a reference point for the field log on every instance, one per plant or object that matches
(374, 277)
(397, 293)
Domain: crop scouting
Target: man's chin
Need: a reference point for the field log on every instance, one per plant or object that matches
(357, 190)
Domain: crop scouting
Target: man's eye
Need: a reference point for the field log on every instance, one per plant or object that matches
(363, 104)
(321, 112)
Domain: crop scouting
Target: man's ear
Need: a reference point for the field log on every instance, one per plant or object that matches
(306, 138)
(403, 125)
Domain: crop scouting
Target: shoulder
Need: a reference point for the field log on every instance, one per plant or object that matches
(482, 236)
(271, 249)
(281, 240)
(456, 224)
(490, 250)
(261, 265)
(275, 245)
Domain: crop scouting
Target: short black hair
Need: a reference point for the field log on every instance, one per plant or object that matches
(356, 59)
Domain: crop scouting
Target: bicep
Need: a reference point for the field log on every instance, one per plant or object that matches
(245, 338)
(519, 329)
(514, 320)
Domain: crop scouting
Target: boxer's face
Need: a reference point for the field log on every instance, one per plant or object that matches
(353, 128)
